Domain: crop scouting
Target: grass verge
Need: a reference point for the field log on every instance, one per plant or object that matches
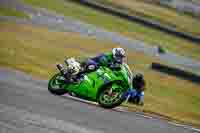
(133, 30)
(35, 50)
(5, 11)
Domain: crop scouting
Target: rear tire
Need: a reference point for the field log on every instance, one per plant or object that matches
(56, 86)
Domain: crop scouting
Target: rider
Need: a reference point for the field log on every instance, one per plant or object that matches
(136, 94)
(110, 59)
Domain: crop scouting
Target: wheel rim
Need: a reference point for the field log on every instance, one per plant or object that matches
(109, 99)
(57, 82)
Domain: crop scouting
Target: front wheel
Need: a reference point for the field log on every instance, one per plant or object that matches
(56, 85)
(108, 99)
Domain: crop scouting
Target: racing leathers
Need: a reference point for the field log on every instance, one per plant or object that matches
(105, 59)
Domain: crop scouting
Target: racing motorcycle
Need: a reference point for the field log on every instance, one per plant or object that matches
(104, 85)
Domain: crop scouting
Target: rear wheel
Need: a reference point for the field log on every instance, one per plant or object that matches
(110, 99)
(56, 85)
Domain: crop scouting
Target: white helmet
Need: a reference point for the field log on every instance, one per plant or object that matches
(118, 53)
(73, 65)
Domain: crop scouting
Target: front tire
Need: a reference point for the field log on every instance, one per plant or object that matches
(56, 85)
(110, 101)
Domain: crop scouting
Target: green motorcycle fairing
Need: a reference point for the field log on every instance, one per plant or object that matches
(93, 82)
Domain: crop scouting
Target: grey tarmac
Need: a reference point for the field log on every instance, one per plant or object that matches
(26, 106)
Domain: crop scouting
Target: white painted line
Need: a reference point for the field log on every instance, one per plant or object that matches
(79, 99)
(121, 109)
(145, 116)
(195, 129)
(176, 124)
(184, 126)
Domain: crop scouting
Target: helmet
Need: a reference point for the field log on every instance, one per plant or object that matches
(118, 53)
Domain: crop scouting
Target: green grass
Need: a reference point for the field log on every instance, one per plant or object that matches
(36, 50)
(133, 30)
(166, 16)
(4, 11)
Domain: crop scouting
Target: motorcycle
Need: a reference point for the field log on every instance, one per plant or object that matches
(105, 86)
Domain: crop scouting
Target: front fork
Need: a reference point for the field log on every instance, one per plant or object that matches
(110, 91)
(61, 69)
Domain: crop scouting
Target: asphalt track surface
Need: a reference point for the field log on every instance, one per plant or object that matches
(26, 106)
